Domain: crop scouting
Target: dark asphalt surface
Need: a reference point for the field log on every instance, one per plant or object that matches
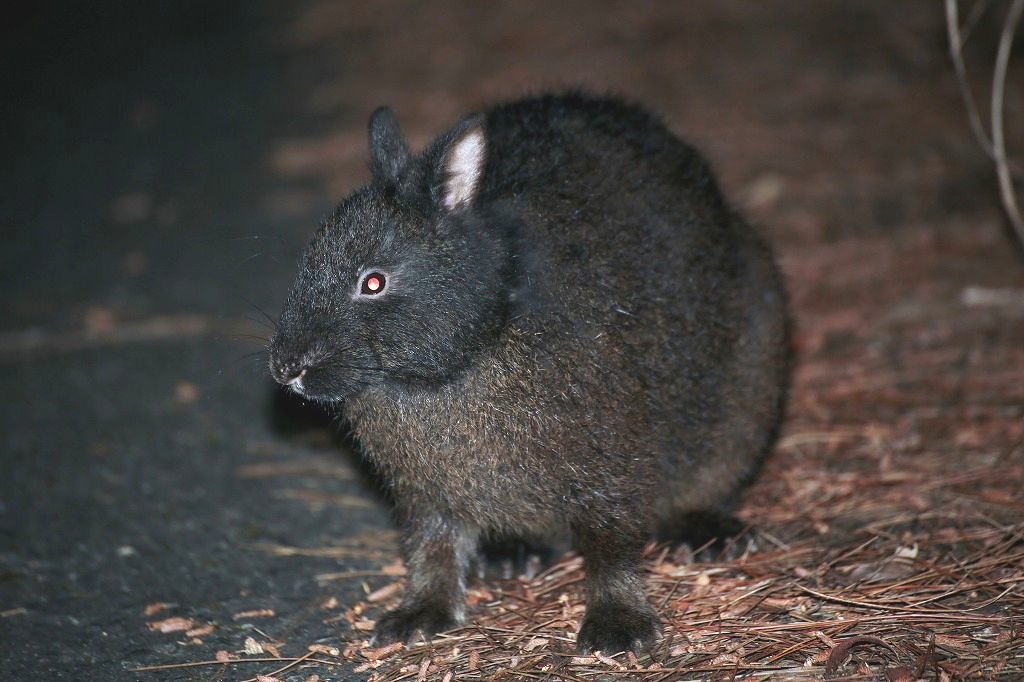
(135, 245)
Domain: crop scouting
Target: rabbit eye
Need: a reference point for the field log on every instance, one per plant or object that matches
(373, 284)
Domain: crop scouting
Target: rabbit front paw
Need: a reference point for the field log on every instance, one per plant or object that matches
(612, 628)
(412, 622)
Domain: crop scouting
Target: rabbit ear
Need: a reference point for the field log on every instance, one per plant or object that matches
(388, 151)
(462, 163)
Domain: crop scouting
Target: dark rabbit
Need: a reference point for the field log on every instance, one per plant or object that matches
(549, 319)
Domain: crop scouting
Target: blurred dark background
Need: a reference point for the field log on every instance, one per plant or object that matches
(164, 163)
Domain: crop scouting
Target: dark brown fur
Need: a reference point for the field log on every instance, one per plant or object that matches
(633, 370)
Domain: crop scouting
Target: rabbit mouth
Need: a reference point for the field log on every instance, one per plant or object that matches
(332, 381)
(295, 383)
(310, 385)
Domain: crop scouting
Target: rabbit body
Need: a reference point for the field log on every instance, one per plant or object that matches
(602, 345)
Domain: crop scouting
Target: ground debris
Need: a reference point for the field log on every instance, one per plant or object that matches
(254, 613)
(175, 624)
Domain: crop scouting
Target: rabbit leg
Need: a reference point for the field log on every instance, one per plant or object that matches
(618, 617)
(438, 551)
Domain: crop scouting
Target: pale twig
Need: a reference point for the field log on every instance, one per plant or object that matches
(995, 146)
(998, 139)
(289, 666)
(956, 48)
(232, 661)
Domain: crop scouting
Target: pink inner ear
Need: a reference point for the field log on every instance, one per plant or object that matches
(465, 165)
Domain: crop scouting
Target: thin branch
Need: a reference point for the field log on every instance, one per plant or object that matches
(1006, 190)
(995, 146)
(956, 47)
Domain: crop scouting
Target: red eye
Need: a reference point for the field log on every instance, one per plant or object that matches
(373, 284)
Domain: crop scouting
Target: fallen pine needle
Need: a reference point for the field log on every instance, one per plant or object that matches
(234, 661)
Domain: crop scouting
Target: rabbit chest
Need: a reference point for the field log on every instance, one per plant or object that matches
(514, 443)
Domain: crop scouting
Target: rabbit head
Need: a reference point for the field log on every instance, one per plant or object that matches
(406, 281)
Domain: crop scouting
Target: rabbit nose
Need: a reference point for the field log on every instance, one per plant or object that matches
(289, 373)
